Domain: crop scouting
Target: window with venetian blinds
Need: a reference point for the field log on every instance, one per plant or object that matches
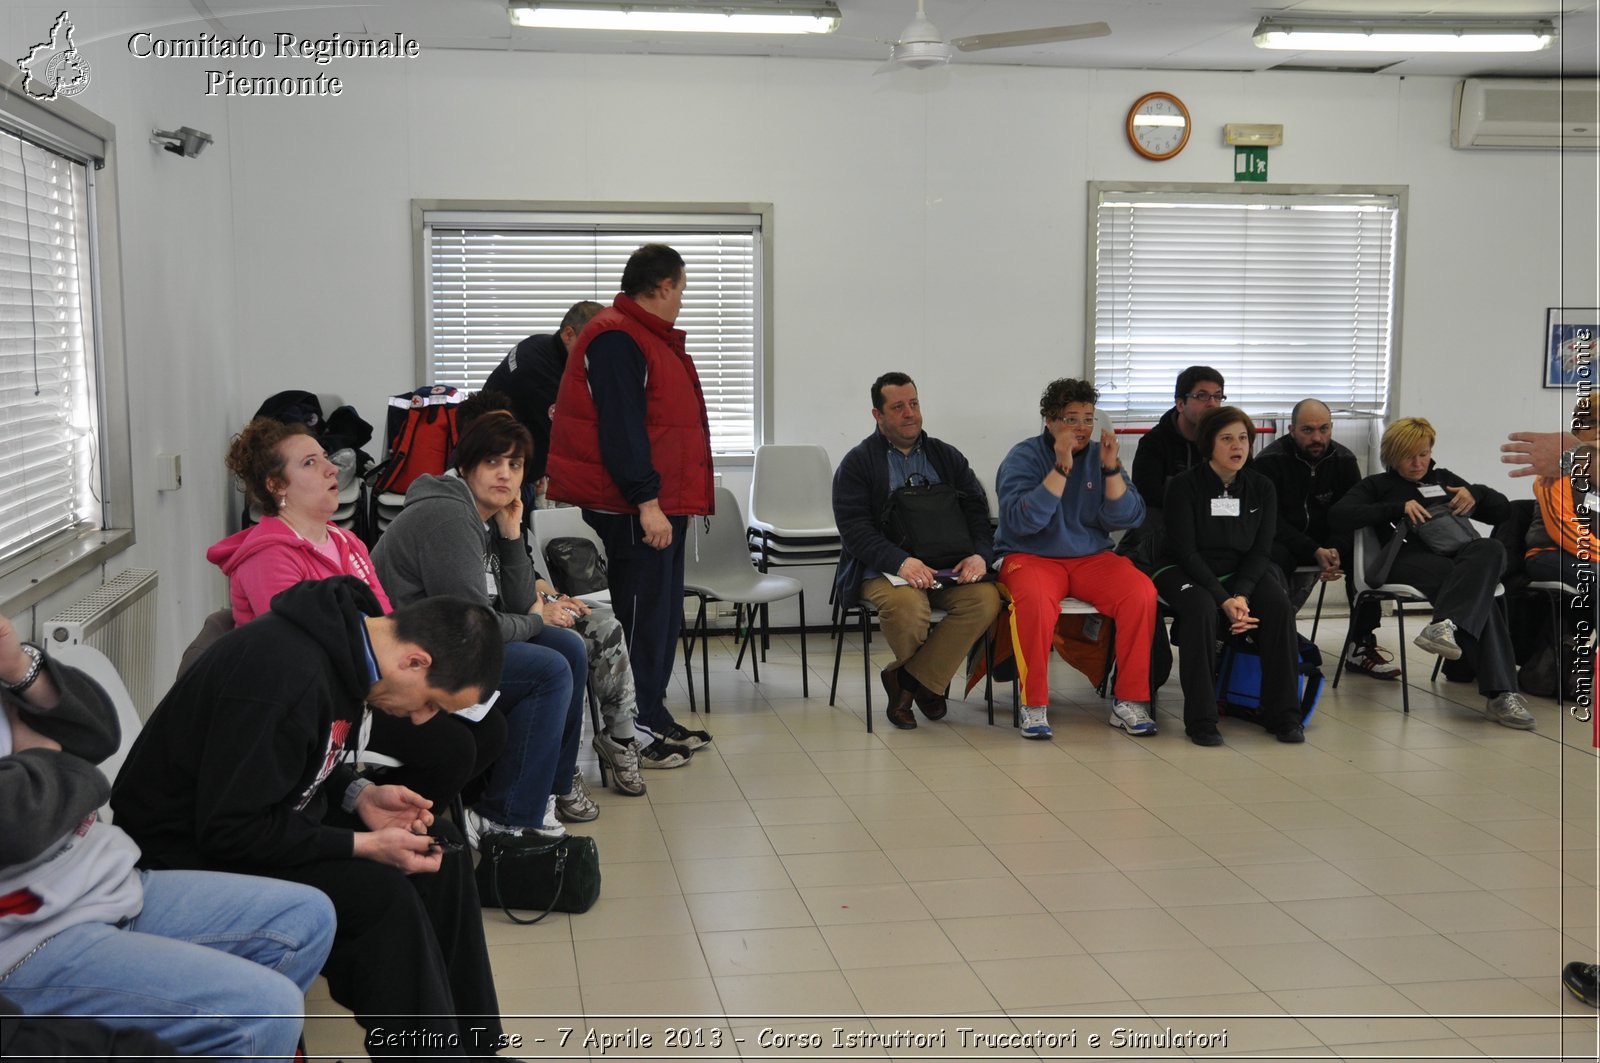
(48, 423)
(1287, 295)
(492, 281)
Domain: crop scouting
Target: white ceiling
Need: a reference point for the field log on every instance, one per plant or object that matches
(1146, 34)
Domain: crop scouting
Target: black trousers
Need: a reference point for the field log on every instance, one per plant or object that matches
(441, 756)
(409, 954)
(1461, 589)
(1199, 621)
(646, 587)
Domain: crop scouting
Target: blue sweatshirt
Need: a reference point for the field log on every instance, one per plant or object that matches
(1079, 523)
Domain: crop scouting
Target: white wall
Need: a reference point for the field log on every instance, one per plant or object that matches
(178, 295)
(932, 222)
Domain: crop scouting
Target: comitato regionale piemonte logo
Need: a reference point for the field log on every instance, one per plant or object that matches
(54, 68)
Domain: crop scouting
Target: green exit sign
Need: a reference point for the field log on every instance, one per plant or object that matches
(1249, 164)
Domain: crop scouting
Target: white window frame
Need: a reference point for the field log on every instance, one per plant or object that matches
(642, 218)
(1369, 419)
(52, 563)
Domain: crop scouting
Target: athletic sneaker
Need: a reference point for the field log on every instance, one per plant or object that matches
(576, 806)
(1034, 723)
(1368, 659)
(1508, 710)
(1133, 717)
(681, 735)
(623, 760)
(663, 754)
(478, 825)
(1583, 981)
(1440, 637)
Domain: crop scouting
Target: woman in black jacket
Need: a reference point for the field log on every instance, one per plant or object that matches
(1412, 493)
(1220, 518)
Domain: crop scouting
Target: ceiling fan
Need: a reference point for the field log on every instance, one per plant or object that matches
(922, 45)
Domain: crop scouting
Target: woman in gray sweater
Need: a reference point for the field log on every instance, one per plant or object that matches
(462, 536)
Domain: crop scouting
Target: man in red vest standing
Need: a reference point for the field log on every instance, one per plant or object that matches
(630, 443)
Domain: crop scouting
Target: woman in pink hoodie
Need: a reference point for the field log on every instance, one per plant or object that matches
(288, 477)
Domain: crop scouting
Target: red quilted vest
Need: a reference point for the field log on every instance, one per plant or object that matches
(675, 417)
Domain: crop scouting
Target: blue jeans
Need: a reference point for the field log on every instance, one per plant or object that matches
(541, 691)
(215, 964)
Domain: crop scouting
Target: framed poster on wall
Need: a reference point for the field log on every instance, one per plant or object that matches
(1569, 337)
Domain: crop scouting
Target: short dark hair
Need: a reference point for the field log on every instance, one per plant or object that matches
(1194, 375)
(648, 267)
(489, 436)
(1213, 421)
(462, 637)
(479, 403)
(579, 315)
(888, 380)
(1058, 393)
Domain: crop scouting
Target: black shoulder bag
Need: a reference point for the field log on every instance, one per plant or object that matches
(561, 876)
(926, 521)
(575, 565)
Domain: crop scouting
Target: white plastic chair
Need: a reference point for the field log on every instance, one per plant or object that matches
(717, 568)
(791, 494)
(98, 666)
(563, 522)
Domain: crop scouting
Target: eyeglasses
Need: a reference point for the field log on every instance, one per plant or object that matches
(1074, 421)
(1207, 396)
(916, 479)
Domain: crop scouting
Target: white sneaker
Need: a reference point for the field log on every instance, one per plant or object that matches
(478, 825)
(552, 822)
(577, 806)
(1440, 637)
(1509, 710)
(1133, 717)
(1035, 724)
(1368, 659)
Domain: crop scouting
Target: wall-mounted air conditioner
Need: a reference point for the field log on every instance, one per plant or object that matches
(1527, 113)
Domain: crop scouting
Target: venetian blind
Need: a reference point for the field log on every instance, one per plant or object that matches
(492, 284)
(47, 421)
(1286, 295)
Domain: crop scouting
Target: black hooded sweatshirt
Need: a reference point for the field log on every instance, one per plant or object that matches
(238, 764)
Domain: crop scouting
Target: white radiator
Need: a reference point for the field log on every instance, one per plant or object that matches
(118, 618)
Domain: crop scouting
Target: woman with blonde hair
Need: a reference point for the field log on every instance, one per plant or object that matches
(1443, 556)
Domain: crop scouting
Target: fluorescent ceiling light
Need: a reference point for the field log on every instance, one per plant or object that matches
(746, 16)
(1403, 35)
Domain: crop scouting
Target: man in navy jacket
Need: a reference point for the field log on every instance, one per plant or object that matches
(903, 588)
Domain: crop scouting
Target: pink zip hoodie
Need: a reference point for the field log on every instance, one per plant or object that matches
(271, 557)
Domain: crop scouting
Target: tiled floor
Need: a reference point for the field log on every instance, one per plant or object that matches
(1398, 887)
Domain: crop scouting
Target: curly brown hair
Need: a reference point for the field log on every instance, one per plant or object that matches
(254, 460)
(1058, 393)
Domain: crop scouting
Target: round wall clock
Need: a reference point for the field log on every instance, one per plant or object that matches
(1158, 125)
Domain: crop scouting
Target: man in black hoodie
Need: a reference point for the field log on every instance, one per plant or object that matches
(1312, 471)
(1167, 450)
(240, 768)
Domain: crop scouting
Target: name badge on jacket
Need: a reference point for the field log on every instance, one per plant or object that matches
(1224, 507)
(1430, 490)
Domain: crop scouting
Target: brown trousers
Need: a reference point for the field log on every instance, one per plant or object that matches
(931, 653)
